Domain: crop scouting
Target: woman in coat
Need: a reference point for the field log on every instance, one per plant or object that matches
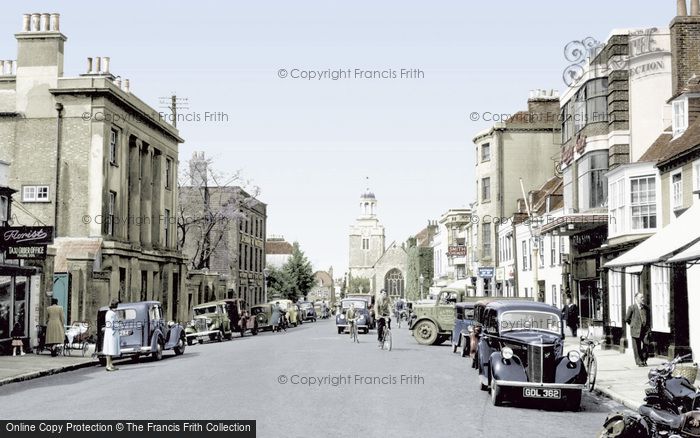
(111, 339)
(276, 315)
(55, 327)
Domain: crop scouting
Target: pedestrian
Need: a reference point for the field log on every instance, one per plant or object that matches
(275, 318)
(638, 320)
(111, 340)
(17, 339)
(55, 327)
(570, 314)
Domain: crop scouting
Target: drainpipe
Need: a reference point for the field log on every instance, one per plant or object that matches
(59, 124)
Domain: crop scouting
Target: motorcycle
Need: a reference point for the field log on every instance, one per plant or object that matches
(669, 409)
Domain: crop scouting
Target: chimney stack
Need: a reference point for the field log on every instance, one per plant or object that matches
(694, 7)
(685, 46)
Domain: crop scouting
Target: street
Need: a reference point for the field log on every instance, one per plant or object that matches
(360, 390)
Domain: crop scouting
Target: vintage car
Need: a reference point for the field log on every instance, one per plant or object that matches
(432, 323)
(262, 313)
(363, 321)
(520, 355)
(370, 299)
(307, 311)
(142, 331)
(461, 336)
(241, 319)
(209, 321)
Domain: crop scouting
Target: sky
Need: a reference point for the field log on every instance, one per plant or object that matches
(314, 145)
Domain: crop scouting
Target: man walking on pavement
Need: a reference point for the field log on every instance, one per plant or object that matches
(570, 314)
(638, 320)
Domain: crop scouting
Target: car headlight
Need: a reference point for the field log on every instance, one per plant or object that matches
(507, 353)
(574, 356)
(342, 316)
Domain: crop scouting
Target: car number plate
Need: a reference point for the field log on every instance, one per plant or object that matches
(542, 393)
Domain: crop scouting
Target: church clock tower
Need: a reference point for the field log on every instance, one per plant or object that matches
(366, 238)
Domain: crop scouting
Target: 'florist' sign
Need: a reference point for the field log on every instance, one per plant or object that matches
(19, 236)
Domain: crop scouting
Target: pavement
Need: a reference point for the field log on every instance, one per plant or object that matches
(31, 366)
(618, 377)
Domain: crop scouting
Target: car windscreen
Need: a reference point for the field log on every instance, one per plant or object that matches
(204, 310)
(359, 304)
(256, 310)
(513, 320)
(126, 314)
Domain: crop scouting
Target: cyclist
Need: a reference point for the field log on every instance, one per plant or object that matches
(350, 315)
(383, 312)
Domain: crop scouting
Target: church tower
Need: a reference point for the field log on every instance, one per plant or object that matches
(366, 238)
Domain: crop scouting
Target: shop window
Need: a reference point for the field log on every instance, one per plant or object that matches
(660, 299)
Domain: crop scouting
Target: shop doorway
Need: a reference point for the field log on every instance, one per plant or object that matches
(61, 287)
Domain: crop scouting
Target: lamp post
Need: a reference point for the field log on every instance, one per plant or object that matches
(266, 272)
(421, 279)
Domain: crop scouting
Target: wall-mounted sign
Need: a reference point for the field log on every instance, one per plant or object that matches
(31, 252)
(500, 273)
(101, 275)
(457, 251)
(21, 236)
(486, 272)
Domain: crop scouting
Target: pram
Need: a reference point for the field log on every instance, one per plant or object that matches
(77, 338)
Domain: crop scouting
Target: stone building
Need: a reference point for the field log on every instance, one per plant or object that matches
(277, 251)
(323, 288)
(524, 146)
(97, 163)
(369, 257)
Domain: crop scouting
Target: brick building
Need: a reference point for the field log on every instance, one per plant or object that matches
(112, 196)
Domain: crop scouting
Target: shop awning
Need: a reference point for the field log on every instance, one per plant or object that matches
(462, 284)
(667, 242)
(690, 254)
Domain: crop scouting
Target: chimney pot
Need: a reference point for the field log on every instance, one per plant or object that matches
(694, 7)
(13, 67)
(56, 22)
(118, 83)
(105, 64)
(98, 65)
(2, 68)
(89, 65)
(36, 21)
(682, 8)
(45, 22)
(126, 85)
(26, 21)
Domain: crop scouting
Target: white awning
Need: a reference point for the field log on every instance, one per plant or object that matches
(461, 284)
(669, 240)
(636, 269)
(692, 253)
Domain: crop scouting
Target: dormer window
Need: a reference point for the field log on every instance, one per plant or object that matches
(680, 117)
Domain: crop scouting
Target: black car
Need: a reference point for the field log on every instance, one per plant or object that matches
(520, 355)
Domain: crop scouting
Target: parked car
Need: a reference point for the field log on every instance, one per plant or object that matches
(363, 321)
(262, 313)
(461, 336)
(521, 355)
(209, 321)
(142, 331)
(432, 323)
(241, 319)
(307, 310)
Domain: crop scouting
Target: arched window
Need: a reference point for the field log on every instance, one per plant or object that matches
(393, 282)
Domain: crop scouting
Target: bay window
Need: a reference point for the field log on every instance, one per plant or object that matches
(643, 202)
(592, 183)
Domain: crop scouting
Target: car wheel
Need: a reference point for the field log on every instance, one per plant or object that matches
(365, 331)
(158, 354)
(229, 335)
(425, 333)
(200, 340)
(340, 330)
(180, 347)
(190, 341)
(573, 400)
(496, 393)
(220, 336)
(254, 331)
(135, 358)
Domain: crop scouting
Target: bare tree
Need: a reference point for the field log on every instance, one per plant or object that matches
(210, 203)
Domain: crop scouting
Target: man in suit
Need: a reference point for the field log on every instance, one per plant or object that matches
(570, 314)
(638, 320)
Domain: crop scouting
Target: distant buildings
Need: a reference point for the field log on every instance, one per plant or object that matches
(277, 251)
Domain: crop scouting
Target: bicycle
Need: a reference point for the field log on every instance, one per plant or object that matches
(586, 346)
(353, 331)
(386, 335)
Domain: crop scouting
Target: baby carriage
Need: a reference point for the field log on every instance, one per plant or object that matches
(77, 338)
(41, 339)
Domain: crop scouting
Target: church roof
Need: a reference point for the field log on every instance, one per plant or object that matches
(386, 251)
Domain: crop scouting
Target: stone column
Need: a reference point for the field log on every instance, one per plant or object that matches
(134, 197)
(158, 226)
(146, 192)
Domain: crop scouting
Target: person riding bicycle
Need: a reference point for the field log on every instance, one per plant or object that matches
(383, 312)
(350, 316)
